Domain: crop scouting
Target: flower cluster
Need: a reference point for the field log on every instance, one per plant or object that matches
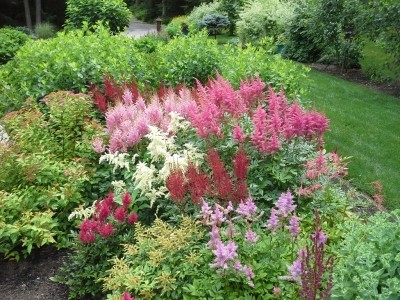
(107, 214)
(284, 210)
(226, 255)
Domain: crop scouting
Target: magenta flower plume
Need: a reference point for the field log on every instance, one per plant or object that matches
(120, 214)
(273, 221)
(237, 134)
(259, 129)
(127, 296)
(250, 91)
(240, 164)
(320, 237)
(105, 230)
(126, 199)
(132, 218)
(251, 237)
(247, 209)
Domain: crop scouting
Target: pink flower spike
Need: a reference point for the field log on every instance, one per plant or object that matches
(126, 199)
(98, 146)
(321, 237)
(294, 227)
(295, 270)
(251, 237)
(120, 214)
(127, 296)
(285, 204)
(237, 134)
(105, 230)
(273, 221)
(133, 218)
(248, 208)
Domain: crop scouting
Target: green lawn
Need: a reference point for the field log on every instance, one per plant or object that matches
(364, 125)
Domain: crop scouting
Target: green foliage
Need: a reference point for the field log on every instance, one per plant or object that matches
(201, 11)
(45, 30)
(70, 61)
(368, 264)
(45, 169)
(261, 18)
(185, 59)
(10, 41)
(114, 13)
(237, 63)
(232, 9)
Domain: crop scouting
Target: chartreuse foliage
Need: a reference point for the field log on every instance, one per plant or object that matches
(368, 264)
(45, 167)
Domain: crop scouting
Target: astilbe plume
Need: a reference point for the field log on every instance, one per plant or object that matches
(222, 184)
(378, 195)
(176, 185)
(314, 266)
(250, 91)
(102, 221)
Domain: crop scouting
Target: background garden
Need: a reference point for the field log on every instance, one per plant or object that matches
(207, 161)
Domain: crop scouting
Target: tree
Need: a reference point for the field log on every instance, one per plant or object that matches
(214, 22)
(232, 9)
(27, 14)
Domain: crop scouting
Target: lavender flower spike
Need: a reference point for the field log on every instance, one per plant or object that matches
(248, 208)
(285, 204)
(224, 254)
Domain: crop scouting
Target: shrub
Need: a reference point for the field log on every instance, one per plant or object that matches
(201, 11)
(185, 59)
(10, 41)
(70, 61)
(368, 259)
(174, 28)
(214, 23)
(45, 30)
(262, 18)
(114, 13)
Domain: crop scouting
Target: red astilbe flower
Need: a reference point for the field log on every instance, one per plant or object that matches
(126, 199)
(111, 89)
(378, 195)
(221, 180)
(240, 164)
(120, 214)
(198, 184)
(105, 230)
(100, 101)
(176, 185)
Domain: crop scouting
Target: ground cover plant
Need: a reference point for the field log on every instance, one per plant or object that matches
(373, 144)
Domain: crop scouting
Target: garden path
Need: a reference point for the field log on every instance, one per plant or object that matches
(138, 29)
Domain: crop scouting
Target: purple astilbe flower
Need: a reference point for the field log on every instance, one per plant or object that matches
(98, 146)
(251, 236)
(295, 270)
(237, 266)
(294, 227)
(230, 231)
(205, 211)
(248, 272)
(215, 239)
(273, 221)
(247, 209)
(217, 217)
(224, 255)
(285, 204)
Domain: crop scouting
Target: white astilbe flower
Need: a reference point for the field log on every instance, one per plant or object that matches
(117, 159)
(177, 122)
(119, 187)
(159, 144)
(173, 162)
(83, 213)
(155, 194)
(144, 177)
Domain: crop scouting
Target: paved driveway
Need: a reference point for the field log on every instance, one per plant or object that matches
(138, 29)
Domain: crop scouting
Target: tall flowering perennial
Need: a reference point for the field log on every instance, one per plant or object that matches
(221, 221)
(311, 266)
(284, 211)
(107, 216)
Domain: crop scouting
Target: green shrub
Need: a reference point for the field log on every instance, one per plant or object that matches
(214, 23)
(262, 18)
(115, 13)
(368, 265)
(10, 41)
(45, 30)
(185, 59)
(201, 11)
(70, 61)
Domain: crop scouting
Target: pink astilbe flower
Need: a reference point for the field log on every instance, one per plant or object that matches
(126, 199)
(285, 204)
(215, 238)
(251, 237)
(320, 237)
(98, 146)
(132, 218)
(224, 255)
(218, 216)
(248, 272)
(295, 270)
(208, 120)
(103, 210)
(127, 296)
(273, 221)
(120, 214)
(206, 210)
(87, 232)
(105, 230)
(154, 113)
(237, 266)
(127, 97)
(237, 134)
(251, 90)
(247, 209)
(259, 129)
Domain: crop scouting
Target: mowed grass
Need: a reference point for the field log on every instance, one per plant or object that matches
(365, 125)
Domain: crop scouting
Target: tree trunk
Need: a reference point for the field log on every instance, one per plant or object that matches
(38, 4)
(27, 14)
(163, 8)
(137, 2)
